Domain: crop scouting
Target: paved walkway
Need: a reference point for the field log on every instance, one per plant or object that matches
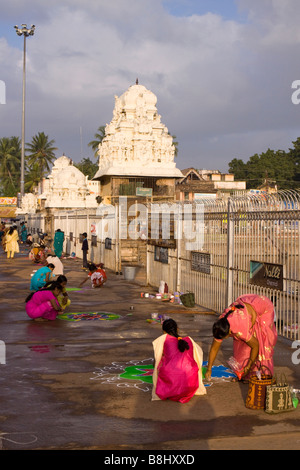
(61, 386)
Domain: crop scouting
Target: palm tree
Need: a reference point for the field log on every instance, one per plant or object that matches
(32, 177)
(10, 158)
(87, 167)
(41, 151)
(99, 136)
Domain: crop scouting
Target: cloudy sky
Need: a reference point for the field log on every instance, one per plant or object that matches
(222, 71)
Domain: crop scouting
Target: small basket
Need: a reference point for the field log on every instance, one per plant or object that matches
(188, 299)
(256, 397)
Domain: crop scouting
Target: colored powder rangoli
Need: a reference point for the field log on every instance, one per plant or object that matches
(89, 316)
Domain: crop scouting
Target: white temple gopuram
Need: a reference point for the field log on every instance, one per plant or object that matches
(136, 159)
(137, 150)
(67, 187)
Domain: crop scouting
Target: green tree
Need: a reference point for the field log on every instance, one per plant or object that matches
(10, 165)
(295, 156)
(87, 167)
(32, 177)
(40, 151)
(99, 136)
(238, 168)
(270, 166)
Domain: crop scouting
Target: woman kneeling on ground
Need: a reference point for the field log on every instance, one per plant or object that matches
(63, 298)
(43, 304)
(177, 373)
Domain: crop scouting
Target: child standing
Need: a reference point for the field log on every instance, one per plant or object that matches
(85, 249)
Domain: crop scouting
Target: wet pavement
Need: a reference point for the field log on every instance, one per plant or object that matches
(62, 385)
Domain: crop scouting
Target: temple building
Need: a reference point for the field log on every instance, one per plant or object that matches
(136, 156)
(65, 188)
(68, 188)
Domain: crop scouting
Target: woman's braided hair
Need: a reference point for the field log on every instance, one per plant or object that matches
(170, 327)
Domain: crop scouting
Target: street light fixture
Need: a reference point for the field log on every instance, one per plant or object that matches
(23, 31)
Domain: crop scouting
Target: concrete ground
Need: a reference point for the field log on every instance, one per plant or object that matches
(61, 386)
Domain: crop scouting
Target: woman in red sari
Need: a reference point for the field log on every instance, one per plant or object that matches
(250, 321)
(177, 373)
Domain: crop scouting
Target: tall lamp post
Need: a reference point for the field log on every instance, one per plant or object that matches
(23, 31)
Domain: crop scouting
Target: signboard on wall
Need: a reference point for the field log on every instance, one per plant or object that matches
(200, 262)
(266, 274)
(146, 192)
(161, 254)
(107, 243)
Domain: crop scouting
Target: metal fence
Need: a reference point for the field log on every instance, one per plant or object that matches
(248, 244)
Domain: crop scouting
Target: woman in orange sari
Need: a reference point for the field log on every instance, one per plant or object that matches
(250, 321)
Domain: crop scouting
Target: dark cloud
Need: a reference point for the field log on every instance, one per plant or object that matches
(223, 87)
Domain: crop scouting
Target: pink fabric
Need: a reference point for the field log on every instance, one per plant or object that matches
(177, 372)
(40, 306)
(263, 330)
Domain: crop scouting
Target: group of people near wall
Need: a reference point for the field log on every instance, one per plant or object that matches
(49, 296)
(178, 359)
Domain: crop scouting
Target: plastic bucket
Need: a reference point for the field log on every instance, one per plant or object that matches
(129, 273)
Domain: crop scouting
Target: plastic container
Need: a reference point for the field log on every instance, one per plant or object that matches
(235, 367)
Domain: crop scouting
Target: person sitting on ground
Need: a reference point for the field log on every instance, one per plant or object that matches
(177, 372)
(41, 277)
(29, 240)
(43, 304)
(58, 266)
(96, 275)
(40, 256)
(63, 298)
(34, 251)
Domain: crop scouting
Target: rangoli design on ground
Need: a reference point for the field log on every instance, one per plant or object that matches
(138, 374)
(78, 316)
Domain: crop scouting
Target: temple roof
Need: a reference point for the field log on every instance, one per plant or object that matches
(136, 142)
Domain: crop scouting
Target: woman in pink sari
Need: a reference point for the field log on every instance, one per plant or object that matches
(177, 373)
(43, 304)
(250, 321)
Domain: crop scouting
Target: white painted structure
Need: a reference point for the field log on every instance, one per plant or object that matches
(66, 187)
(136, 142)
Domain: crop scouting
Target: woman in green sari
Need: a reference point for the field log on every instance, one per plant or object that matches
(58, 242)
